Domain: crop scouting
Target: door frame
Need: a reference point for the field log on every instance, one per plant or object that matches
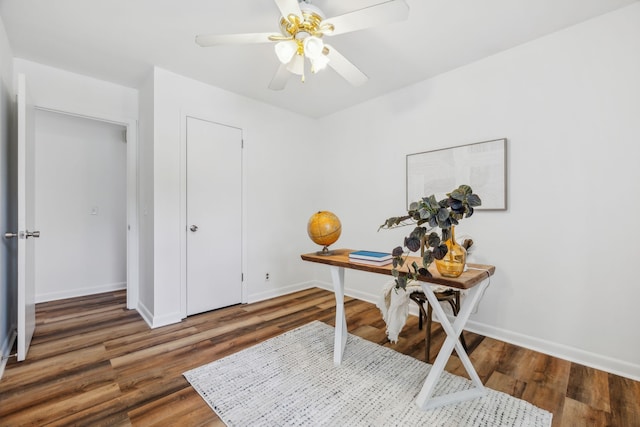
(131, 128)
(208, 117)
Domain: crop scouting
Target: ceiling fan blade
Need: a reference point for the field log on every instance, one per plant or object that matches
(383, 13)
(206, 40)
(288, 7)
(346, 69)
(280, 78)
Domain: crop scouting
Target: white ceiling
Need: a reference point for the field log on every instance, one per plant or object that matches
(120, 40)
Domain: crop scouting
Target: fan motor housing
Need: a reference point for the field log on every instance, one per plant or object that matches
(313, 17)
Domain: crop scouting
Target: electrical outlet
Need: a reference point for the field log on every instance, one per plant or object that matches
(266, 277)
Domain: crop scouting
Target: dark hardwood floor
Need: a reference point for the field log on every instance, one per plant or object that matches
(93, 362)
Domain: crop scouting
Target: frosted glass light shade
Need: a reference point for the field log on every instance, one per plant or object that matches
(285, 50)
(296, 66)
(313, 47)
(319, 63)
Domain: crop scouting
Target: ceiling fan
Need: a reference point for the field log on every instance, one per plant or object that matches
(302, 28)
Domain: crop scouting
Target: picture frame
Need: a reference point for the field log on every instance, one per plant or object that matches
(481, 165)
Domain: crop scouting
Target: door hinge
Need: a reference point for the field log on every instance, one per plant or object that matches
(242, 143)
(242, 277)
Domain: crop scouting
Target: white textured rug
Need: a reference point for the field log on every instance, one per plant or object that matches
(291, 380)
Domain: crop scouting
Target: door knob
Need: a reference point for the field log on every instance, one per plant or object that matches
(10, 235)
(193, 228)
(34, 234)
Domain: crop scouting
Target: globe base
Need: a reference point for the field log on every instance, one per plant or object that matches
(325, 251)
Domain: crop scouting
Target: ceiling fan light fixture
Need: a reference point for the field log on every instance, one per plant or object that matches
(313, 47)
(319, 63)
(296, 66)
(285, 50)
(302, 30)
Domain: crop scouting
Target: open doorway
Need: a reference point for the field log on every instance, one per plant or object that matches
(80, 205)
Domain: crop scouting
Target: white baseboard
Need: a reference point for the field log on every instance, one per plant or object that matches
(158, 321)
(572, 354)
(145, 313)
(273, 293)
(72, 293)
(5, 349)
(166, 319)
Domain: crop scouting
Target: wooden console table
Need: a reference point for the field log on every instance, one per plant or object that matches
(475, 280)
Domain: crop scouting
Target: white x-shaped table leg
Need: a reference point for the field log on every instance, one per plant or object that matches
(340, 338)
(425, 399)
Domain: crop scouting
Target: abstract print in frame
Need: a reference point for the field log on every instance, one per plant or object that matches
(481, 165)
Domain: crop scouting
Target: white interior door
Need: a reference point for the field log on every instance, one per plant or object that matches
(26, 233)
(214, 215)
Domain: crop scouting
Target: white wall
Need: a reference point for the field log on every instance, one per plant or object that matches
(279, 188)
(80, 206)
(8, 221)
(61, 90)
(569, 105)
(145, 197)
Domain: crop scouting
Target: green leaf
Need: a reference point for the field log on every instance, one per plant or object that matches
(433, 240)
(465, 189)
(427, 258)
(443, 214)
(457, 195)
(474, 200)
(426, 273)
(440, 251)
(418, 232)
(412, 243)
(432, 203)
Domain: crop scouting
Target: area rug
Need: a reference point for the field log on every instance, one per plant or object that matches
(290, 380)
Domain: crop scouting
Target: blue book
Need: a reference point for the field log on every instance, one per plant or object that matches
(371, 256)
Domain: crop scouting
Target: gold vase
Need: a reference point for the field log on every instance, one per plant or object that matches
(452, 265)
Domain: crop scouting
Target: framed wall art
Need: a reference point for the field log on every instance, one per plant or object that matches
(482, 166)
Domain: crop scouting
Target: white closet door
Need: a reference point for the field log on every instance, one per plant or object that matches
(214, 215)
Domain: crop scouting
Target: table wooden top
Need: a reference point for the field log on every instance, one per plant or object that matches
(475, 274)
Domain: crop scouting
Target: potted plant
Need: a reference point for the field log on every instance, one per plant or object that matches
(428, 214)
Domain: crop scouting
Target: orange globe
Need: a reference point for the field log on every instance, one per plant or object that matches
(324, 229)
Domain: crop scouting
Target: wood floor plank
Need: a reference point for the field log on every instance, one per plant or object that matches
(546, 398)
(94, 363)
(487, 357)
(184, 407)
(34, 371)
(40, 392)
(625, 398)
(61, 406)
(589, 386)
(580, 414)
